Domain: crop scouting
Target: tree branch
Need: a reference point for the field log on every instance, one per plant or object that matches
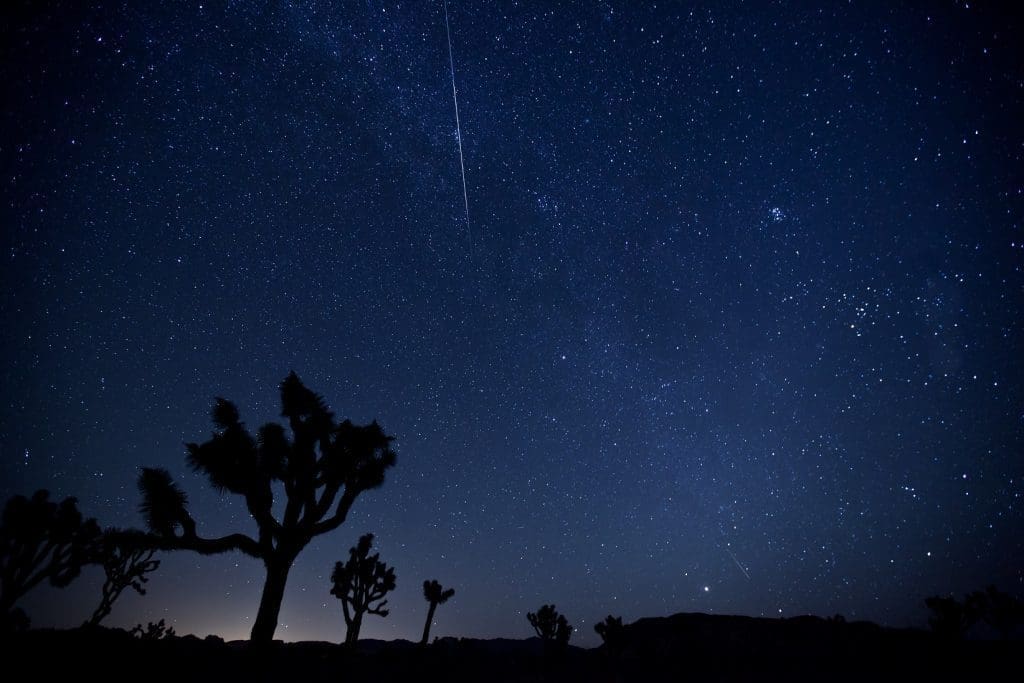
(262, 513)
(340, 513)
(345, 611)
(322, 507)
(206, 546)
(60, 556)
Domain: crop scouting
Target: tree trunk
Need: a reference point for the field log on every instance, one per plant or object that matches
(270, 603)
(99, 615)
(430, 620)
(352, 635)
(104, 608)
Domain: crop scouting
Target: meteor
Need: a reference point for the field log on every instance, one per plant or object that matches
(458, 126)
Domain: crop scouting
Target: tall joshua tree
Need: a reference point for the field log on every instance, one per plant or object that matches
(41, 541)
(359, 583)
(435, 594)
(322, 468)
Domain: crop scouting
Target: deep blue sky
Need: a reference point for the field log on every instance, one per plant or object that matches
(735, 325)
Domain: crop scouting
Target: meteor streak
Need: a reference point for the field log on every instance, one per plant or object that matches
(742, 568)
(458, 126)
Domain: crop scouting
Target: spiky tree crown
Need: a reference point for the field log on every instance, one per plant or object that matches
(434, 593)
(363, 580)
(550, 625)
(319, 459)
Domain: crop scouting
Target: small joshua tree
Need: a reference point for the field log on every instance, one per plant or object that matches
(360, 583)
(550, 626)
(434, 593)
(126, 559)
(41, 541)
(611, 633)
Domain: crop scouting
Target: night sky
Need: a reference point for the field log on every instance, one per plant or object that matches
(734, 326)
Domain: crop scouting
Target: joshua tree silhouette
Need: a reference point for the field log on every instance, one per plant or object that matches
(41, 541)
(323, 468)
(126, 559)
(611, 632)
(551, 626)
(434, 593)
(359, 583)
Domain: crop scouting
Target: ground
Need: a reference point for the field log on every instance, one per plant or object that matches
(691, 647)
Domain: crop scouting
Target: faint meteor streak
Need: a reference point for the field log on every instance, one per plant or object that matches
(458, 126)
(742, 568)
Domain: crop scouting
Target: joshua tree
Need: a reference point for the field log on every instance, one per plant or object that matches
(322, 468)
(611, 632)
(41, 541)
(551, 626)
(434, 593)
(359, 583)
(126, 559)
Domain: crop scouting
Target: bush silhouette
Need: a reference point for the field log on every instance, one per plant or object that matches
(323, 468)
(153, 631)
(611, 632)
(549, 625)
(359, 583)
(41, 541)
(434, 593)
(126, 558)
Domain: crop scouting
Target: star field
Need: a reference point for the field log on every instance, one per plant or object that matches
(734, 325)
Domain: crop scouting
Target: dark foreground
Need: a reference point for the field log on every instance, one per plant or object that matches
(684, 647)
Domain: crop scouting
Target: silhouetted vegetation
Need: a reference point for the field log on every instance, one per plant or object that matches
(435, 594)
(611, 633)
(41, 541)
(153, 631)
(323, 468)
(681, 647)
(550, 626)
(360, 583)
(126, 558)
